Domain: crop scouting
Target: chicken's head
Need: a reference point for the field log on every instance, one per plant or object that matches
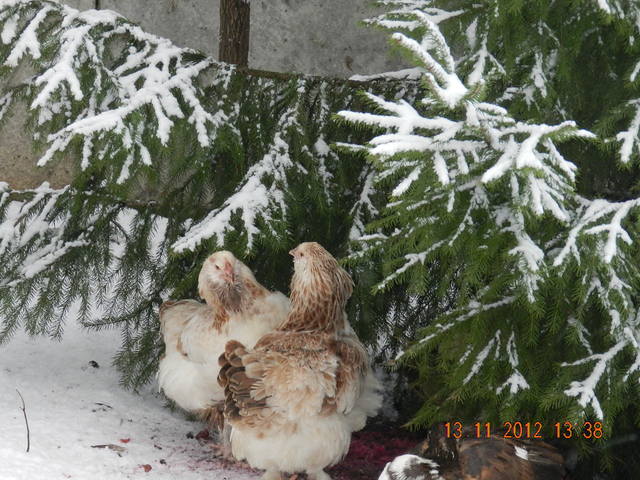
(309, 254)
(315, 269)
(311, 257)
(221, 280)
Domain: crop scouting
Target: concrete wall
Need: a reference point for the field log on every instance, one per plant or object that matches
(317, 37)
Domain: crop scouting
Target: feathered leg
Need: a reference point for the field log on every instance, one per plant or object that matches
(213, 416)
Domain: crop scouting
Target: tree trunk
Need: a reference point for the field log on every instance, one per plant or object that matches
(234, 32)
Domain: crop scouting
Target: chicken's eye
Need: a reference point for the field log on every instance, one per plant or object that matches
(302, 254)
(217, 267)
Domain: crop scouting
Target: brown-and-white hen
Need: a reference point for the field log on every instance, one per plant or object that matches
(294, 399)
(237, 307)
(441, 457)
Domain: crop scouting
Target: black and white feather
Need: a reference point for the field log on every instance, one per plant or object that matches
(411, 467)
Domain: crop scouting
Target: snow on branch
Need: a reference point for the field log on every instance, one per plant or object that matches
(481, 59)
(620, 9)
(445, 83)
(524, 154)
(33, 222)
(509, 354)
(471, 310)
(411, 259)
(364, 206)
(27, 41)
(585, 390)
(630, 139)
(516, 380)
(531, 257)
(404, 74)
(592, 220)
(482, 356)
(255, 199)
(114, 107)
(632, 335)
(397, 11)
(480, 147)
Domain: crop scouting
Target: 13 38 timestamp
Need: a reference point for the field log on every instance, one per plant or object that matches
(525, 430)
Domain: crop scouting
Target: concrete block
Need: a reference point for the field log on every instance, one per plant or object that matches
(18, 159)
(81, 4)
(188, 23)
(315, 37)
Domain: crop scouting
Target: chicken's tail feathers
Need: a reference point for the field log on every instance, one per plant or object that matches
(235, 381)
(230, 358)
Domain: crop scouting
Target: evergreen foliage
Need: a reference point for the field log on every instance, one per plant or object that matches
(536, 284)
(176, 155)
(492, 237)
(551, 61)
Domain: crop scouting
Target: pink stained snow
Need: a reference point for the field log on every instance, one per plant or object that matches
(71, 406)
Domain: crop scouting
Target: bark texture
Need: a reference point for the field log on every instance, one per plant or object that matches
(234, 32)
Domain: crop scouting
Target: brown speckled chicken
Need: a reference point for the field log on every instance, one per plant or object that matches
(294, 399)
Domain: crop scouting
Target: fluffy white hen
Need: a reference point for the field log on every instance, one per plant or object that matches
(237, 307)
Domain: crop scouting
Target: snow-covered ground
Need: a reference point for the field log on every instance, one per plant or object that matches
(72, 406)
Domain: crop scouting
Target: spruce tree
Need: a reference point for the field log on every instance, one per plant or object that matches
(174, 155)
(535, 284)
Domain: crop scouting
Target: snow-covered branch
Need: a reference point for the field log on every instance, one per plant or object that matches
(592, 220)
(397, 11)
(115, 108)
(516, 380)
(364, 207)
(33, 221)
(630, 138)
(471, 310)
(496, 146)
(260, 196)
(585, 390)
(254, 200)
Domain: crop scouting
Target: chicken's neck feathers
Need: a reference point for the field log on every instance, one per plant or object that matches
(232, 301)
(316, 303)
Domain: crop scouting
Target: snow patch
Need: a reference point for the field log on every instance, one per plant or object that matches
(73, 406)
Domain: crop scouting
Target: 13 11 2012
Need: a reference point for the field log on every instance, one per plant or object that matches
(525, 430)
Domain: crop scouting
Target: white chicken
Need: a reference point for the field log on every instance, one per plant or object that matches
(295, 398)
(237, 307)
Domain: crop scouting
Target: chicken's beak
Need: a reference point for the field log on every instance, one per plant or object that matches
(229, 274)
(292, 252)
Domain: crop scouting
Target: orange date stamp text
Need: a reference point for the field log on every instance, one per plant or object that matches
(525, 430)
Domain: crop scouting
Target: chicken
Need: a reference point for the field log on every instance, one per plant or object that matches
(237, 307)
(411, 467)
(294, 399)
(471, 458)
